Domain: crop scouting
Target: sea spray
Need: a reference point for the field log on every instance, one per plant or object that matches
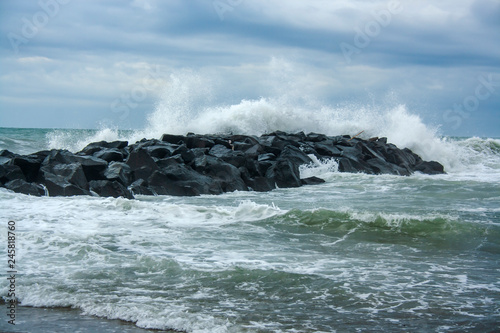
(190, 104)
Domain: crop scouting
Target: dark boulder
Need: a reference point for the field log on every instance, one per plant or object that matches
(295, 155)
(285, 173)
(7, 154)
(94, 147)
(254, 151)
(93, 167)
(430, 168)
(119, 171)
(186, 153)
(261, 184)
(163, 184)
(353, 166)
(226, 174)
(230, 156)
(266, 157)
(142, 165)
(160, 152)
(59, 156)
(140, 187)
(380, 166)
(60, 186)
(196, 141)
(326, 148)
(30, 165)
(71, 173)
(174, 139)
(21, 186)
(200, 159)
(312, 181)
(108, 188)
(315, 137)
(110, 155)
(10, 172)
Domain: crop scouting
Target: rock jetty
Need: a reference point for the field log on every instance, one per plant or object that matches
(190, 165)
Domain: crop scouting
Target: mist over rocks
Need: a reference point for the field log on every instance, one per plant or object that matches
(192, 164)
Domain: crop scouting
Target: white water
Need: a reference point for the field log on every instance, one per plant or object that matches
(187, 106)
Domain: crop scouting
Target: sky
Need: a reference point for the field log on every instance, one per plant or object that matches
(91, 64)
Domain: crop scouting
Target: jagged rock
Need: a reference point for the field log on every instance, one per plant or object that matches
(379, 166)
(326, 148)
(119, 171)
(22, 186)
(430, 168)
(312, 181)
(140, 187)
(142, 165)
(160, 151)
(196, 141)
(186, 153)
(226, 174)
(295, 155)
(93, 167)
(201, 164)
(10, 172)
(72, 173)
(30, 165)
(236, 158)
(163, 184)
(261, 184)
(108, 188)
(353, 166)
(175, 139)
(266, 157)
(254, 151)
(316, 137)
(7, 154)
(59, 186)
(94, 147)
(285, 173)
(110, 155)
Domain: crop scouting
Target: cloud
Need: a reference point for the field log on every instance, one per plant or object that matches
(91, 53)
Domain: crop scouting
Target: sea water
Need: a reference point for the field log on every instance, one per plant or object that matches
(359, 253)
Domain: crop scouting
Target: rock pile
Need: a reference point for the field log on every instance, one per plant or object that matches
(200, 164)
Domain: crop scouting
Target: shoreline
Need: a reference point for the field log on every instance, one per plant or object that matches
(70, 320)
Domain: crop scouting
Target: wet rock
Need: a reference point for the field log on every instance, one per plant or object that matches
(326, 148)
(94, 147)
(60, 186)
(201, 164)
(119, 171)
(10, 172)
(108, 188)
(22, 186)
(285, 173)
(430, 168)
(312, 181)
(110, 155)
(174, 139)
(141, 163)
(29, 165)
(295, 155)
(140, 186)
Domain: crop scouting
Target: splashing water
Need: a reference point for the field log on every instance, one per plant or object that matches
(187, 105)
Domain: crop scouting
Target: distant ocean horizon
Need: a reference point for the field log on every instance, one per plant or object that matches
(359, 253)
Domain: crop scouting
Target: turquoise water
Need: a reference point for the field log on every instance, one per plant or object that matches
(359, 253)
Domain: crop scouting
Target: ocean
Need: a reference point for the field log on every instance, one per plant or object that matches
(359, 253)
